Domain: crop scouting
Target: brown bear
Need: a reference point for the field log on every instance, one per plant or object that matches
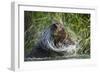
(54, 41)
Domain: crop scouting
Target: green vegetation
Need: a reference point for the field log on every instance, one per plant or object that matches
(76, 23)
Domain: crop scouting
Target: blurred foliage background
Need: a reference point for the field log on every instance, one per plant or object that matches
(78, 23)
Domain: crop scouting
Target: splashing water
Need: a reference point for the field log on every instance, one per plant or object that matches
(48, 43)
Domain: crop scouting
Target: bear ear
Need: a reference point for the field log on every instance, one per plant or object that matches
(55, 25)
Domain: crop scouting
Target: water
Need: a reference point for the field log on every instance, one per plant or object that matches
(48, 43)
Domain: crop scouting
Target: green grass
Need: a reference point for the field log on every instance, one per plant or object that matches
(77, 24)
